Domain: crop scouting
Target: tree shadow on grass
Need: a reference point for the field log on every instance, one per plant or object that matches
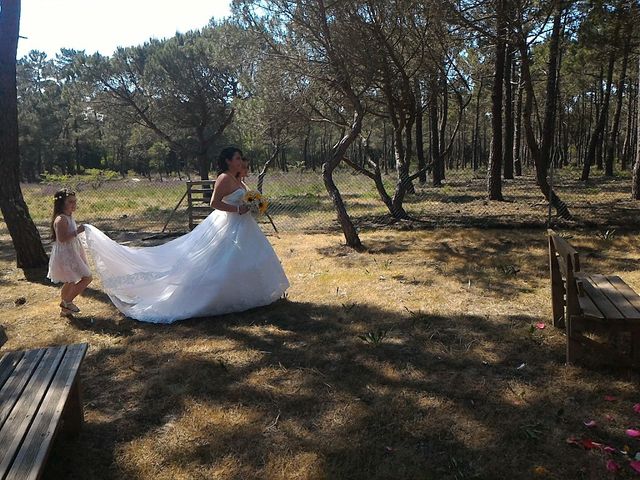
(291, 389)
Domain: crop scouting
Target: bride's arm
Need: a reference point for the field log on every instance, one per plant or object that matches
(222, 188)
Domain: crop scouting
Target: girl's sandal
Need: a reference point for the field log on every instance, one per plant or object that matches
(69, 306)
(66, 312)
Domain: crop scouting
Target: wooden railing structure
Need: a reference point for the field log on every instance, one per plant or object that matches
(198, 197)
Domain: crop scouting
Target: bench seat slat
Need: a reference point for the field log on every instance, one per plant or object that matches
(15, 384)
(632, 297)
(201, 182)
(589, 308)
(615, 296)
(37, 442)
(17, 424)
(8, 364)
(201, 190)
(603, 304)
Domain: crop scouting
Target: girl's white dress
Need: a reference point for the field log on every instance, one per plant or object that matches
(68, 262)
(224, 265)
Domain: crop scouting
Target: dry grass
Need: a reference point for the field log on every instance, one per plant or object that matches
(291, 392)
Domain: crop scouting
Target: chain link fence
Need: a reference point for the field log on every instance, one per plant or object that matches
(299, 201)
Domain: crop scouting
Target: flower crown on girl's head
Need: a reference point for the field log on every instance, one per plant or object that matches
(64, 193)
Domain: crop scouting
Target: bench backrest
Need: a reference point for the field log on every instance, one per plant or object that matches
(564, 264)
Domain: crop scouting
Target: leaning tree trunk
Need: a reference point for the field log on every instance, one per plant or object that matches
(635, 185)
(541, 153)
(24, 234)
(402, 115)
(600, 124)
(494, 179)
(339, 151)
(265, 167)
(403, 159)
(613, 134)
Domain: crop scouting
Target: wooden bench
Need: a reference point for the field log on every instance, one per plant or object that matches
(39, 395)
(592, 304)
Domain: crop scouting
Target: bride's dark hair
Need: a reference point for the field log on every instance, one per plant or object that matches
(225, 155)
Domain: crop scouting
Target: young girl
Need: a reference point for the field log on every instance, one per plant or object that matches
(68, 263)
(244, 172)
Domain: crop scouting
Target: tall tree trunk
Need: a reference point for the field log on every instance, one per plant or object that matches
(494, 180)
(476, 133)
(203, 160)
(436, 153)
(541, 153)
(613, 133)
(76, 146)
(305, 150)
(444, 116)
(508, 115)
(517, 132)
(24, 234)
(628, 136)
(600, 124)
(422, 163)
(635, 182)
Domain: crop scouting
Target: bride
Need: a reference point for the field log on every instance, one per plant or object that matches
(224, 265)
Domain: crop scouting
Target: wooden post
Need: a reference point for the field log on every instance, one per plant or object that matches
(190, 205)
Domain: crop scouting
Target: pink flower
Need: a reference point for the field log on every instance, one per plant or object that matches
(540, 326)
(635, 464)
(609, 449)
(613, 466)
(632, 432)
(610, 398)
(590, 424)
(636, 408)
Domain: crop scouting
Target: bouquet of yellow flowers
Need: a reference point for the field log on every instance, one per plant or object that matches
(258, 205)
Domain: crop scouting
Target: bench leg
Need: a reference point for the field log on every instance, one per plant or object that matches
(73, 415)
(635, 348)
(573, 345)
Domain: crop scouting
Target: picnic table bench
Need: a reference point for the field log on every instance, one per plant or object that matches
(39, 395)
(592, 304)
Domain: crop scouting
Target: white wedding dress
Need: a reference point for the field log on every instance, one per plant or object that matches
(224, 265)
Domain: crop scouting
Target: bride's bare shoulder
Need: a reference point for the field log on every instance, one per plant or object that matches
(223, 178)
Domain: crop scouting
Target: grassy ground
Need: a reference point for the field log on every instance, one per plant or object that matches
(299, 201)
(454, 382)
